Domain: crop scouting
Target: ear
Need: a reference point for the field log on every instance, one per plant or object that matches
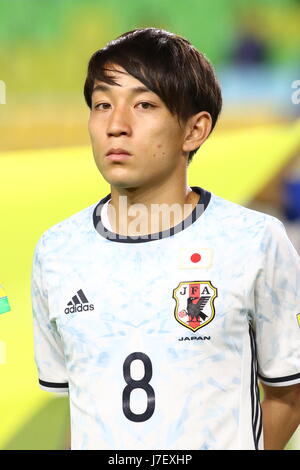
(198, 128)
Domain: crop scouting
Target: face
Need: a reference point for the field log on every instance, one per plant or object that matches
(133, 118)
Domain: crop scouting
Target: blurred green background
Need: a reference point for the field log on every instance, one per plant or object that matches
(46, 165)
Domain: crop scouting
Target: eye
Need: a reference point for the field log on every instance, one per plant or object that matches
(98, 106)
(147, 104)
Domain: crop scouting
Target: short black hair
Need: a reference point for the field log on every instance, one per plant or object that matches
(167, 64)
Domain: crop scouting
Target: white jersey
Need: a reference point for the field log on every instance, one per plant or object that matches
(160, 341)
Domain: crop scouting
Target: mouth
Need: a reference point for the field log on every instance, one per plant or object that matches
(118, 157)
(117, 154)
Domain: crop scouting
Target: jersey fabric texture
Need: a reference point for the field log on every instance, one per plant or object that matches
(160, 341)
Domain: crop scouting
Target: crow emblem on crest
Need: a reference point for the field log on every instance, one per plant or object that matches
(194, 310)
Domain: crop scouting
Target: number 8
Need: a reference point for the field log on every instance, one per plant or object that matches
(143, 384)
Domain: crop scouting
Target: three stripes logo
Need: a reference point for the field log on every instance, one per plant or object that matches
(79, 303)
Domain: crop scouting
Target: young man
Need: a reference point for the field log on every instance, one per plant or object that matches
(159, 308)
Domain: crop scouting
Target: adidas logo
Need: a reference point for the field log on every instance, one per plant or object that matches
(78, 303)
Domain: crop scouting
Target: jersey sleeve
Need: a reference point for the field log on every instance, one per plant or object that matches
(277, 308)
(48, 349)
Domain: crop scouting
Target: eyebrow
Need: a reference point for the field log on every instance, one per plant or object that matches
(134, 90)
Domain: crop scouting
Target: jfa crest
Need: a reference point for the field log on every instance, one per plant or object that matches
(195, 303)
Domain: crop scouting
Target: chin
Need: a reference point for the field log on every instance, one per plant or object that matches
(122, 183)
(119, 180)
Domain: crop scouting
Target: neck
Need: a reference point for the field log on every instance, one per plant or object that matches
(142, 211)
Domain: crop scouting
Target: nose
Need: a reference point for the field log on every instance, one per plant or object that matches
(119, 122)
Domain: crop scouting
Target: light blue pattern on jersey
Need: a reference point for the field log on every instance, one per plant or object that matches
(205, 395)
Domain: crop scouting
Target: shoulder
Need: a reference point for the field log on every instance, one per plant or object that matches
(67, 232)
(260, 237)
(239, 218)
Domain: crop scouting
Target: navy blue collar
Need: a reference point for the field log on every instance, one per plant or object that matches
(200, 207)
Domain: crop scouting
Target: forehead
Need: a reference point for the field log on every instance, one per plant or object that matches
(116, 72)
(124, 82)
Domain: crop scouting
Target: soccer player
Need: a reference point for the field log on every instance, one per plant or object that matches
(159, 308)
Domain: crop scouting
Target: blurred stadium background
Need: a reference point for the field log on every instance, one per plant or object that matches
(46, 164)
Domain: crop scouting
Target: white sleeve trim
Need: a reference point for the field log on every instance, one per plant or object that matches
(281, 381)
